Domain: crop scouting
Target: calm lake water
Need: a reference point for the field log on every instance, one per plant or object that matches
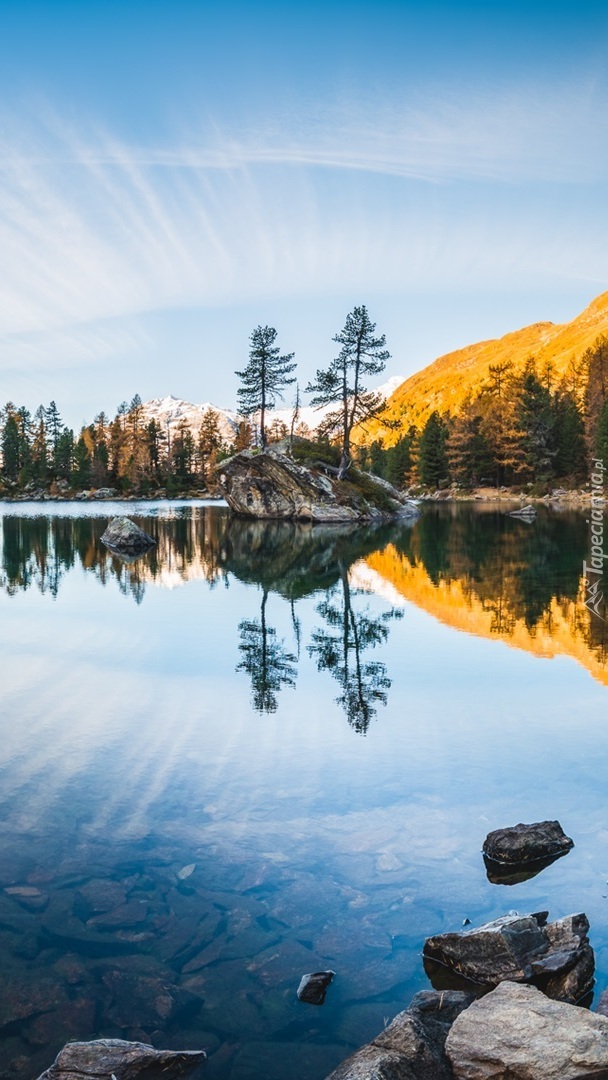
(266, 750)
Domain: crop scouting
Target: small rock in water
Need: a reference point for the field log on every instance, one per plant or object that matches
(313, 987)
(520, 844)
(124, 536)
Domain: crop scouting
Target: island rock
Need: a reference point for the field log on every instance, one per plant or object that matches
(518, 1032)
(123, 1060)
(270, 484)
(125, 537)
(556, 957)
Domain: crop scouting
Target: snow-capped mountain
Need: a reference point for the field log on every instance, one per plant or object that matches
(170, 411)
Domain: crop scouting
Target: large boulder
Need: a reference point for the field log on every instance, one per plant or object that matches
(412, 1046)
(122, 1060)
(269, 484)
(125, 537)
(555, 957)
(517, 1032)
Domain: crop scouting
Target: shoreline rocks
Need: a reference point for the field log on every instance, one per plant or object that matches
(412, 1046)
(517, 1031)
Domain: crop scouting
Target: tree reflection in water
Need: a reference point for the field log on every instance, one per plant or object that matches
(338, 649)
(265, 660)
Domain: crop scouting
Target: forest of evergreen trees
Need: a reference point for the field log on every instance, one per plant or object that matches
(522, 428)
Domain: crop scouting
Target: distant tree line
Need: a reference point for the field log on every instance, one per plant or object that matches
(523, 426)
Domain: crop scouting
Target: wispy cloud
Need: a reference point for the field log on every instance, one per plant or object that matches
(370, 196)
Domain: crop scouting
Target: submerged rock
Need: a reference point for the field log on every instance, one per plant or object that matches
(521, 851)
(518, 1032)
(527, 843)
(269, 484)
(313, 987)
(412, 1046)
(556, 957)
(123, 1060)
(125, 537)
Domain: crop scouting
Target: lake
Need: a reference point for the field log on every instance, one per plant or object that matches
(264, 750)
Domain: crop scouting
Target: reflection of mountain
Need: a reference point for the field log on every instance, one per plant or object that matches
(487, 575)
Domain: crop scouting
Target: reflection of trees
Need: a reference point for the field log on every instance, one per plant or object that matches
(339, 648)
(265, 660)
(37, 551)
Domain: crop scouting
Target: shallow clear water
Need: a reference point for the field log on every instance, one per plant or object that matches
(261, 751)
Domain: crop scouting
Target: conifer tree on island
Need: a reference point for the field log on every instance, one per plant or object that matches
(362, 354)
(264, 377)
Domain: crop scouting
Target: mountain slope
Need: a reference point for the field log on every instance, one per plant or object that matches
(445, 383)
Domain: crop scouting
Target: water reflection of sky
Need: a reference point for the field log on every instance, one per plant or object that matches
(124, 721)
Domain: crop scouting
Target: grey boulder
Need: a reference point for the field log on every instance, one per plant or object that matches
(412, 1046)
(125, 537)
(519, 1033)
(556, 957)
(123, 1060)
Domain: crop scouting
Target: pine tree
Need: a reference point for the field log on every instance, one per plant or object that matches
(570, 457)
(10, 444)
(342, 383)
(596, 361)
(209, 442)
(433, 464)
(468, 451)
(265, 376)
(536, 421)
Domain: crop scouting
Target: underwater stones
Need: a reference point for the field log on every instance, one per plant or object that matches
(313, 987)
(123, 1060)
(556, 957)
(125, 537)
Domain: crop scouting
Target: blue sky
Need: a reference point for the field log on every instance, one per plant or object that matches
(174, 173)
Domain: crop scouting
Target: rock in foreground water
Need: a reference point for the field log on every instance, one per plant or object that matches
(313, 987)
(519, 1033)
(522, 844)
(556, 957)
(124, 536)
(123, 1060)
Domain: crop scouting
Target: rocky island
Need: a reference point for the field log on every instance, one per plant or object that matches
(271, 484)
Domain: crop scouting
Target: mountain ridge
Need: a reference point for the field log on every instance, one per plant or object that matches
(445, 383)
